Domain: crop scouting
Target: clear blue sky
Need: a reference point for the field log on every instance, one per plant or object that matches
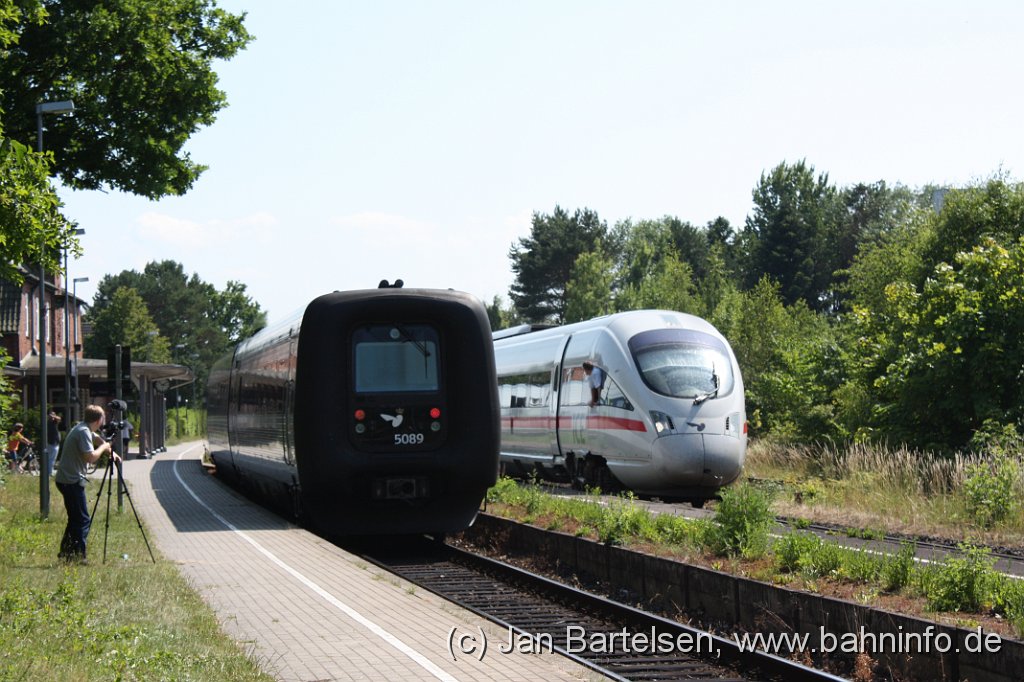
(369, 140)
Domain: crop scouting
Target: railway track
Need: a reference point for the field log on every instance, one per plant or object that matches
(619, 641)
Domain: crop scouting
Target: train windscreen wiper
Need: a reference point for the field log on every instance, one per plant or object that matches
(704, 396)
(421, 346)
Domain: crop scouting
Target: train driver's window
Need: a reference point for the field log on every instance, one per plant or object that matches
(395, 358)
(683, 363)
(613, 396)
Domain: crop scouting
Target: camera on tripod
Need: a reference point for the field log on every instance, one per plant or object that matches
(113, 427)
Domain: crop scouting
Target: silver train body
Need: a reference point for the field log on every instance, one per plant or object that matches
(666, 419)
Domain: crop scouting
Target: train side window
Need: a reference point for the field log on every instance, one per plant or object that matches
(525, 390)
(613, 396)
(540, 390)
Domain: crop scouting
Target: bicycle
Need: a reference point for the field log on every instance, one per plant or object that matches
(24, 461)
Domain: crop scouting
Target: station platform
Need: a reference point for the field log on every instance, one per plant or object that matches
(306, 609)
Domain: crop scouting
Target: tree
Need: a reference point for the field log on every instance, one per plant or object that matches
(871, 214)
(791, 234)
(501, 316)
(785, 356)
(237, 315)
(140, 74)
(668, 285)
(690, 244)
(33, 227)
(543, 262)
(204, 322)
(972, 214)
(716, 283)
(643, 246)
(8, 398)
(589, 291)
(126, 321)
(953, 352)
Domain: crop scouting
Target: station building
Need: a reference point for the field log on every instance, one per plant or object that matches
(72, 380)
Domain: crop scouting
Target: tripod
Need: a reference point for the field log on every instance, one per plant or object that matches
(108, 482)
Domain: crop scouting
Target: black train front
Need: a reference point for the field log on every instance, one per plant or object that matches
(376, 413)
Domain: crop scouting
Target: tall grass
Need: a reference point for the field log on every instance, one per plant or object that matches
(897, 469)
(899, 484)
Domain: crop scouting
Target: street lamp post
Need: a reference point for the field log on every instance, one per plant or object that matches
(63, 107)
(67, 336)
(74, 295)
(177, 396)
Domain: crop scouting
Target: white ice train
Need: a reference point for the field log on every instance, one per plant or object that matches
(661, 415)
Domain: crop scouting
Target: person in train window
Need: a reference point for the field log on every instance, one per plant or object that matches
(595, 379)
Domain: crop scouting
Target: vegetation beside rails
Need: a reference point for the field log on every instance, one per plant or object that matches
(968, 497)
(128, 619)
(738, 539)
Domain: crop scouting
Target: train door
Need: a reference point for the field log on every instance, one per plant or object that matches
(560, 448)
(574, 408)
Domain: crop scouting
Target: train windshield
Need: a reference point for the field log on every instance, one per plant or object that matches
(683, 363)
(395, 358)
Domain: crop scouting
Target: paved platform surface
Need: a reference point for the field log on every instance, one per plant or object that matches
(307, 610)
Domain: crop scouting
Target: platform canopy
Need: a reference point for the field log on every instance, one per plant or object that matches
(163, 376)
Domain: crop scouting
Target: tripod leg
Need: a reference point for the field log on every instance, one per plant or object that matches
(138, 521)
(99, 494)
(110, 490)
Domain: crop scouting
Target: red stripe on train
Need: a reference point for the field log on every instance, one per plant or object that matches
(596, 422)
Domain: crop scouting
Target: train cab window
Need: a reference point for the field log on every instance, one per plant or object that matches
(683, 363)
(613, 396)
(576, 390)
(395, 358)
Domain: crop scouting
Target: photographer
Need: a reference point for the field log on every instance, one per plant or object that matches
(81, 448)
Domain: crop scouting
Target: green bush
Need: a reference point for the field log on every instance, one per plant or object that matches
(898, 569)
(792, 549)
(961, 583)
(1008, 600)
(743, 518)
(989, 489)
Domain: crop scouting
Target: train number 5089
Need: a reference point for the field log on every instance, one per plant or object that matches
(408, 439)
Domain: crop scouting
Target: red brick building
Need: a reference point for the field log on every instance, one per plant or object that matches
(23, 337)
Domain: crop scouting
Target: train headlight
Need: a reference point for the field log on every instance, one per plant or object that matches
(662, 423)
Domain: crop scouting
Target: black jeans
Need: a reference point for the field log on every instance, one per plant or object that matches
(72, 546)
